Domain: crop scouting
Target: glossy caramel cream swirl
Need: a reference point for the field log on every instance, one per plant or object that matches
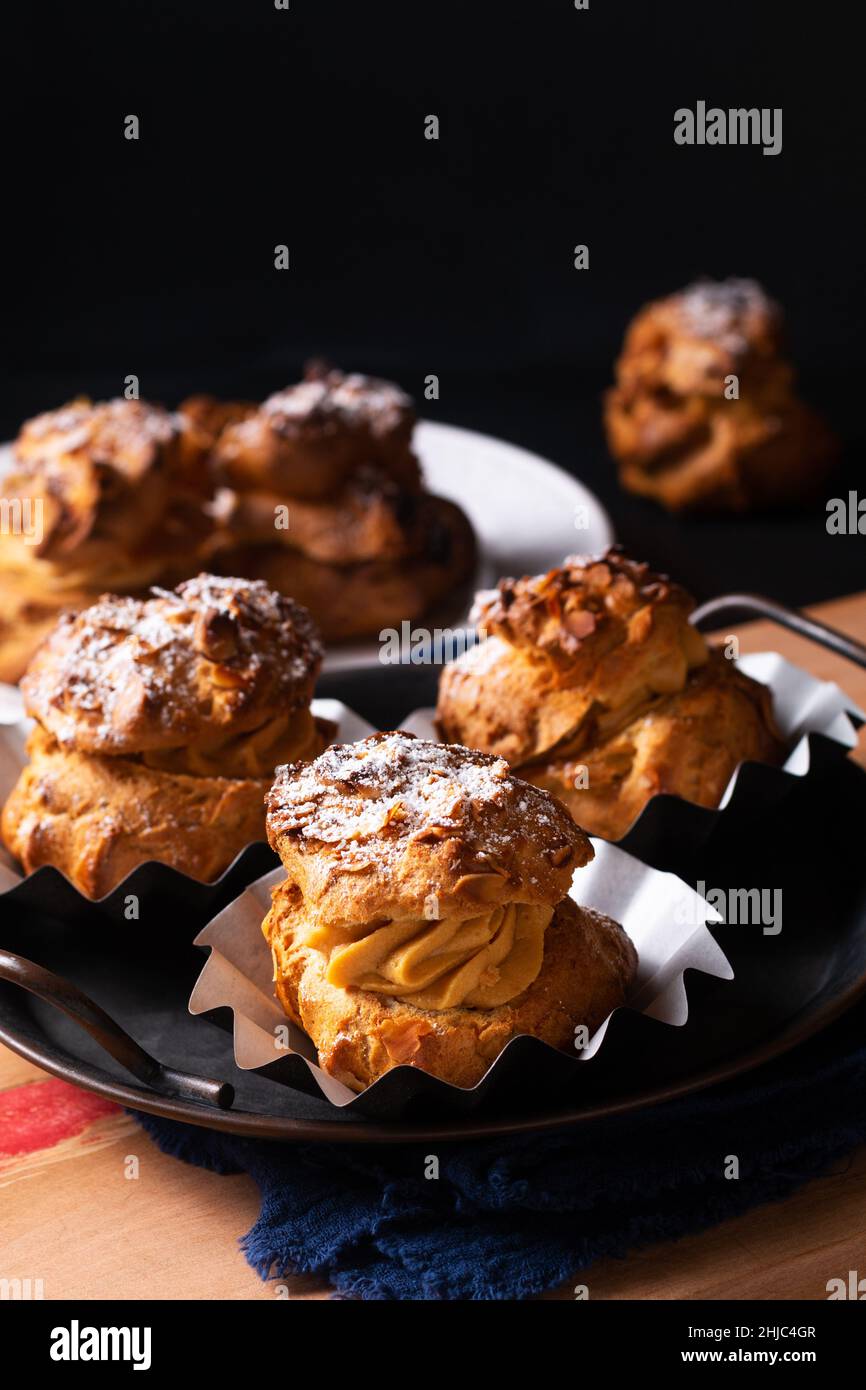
(472, 962)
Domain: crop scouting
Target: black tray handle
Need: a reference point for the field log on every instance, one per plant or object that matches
(75, 1004)
(758, 607)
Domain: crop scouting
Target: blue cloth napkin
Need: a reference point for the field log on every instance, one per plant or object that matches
(509, 1218)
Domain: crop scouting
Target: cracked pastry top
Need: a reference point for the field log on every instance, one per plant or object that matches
(114, 493)
(159, 723)
(704, 415)
(587, 643)
(393, 820)
(206, 666)
(424, 886)
(593, 683)
(306, 440)
(105, 475)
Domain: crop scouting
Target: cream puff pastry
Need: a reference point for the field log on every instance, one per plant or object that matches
(424, 918)
(704, 415)
(115, 493)
(594, 684)
(319, 493)
(158, 725)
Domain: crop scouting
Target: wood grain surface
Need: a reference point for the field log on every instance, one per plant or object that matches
(89, 1207)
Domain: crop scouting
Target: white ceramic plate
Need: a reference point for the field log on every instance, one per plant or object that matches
(527, 513)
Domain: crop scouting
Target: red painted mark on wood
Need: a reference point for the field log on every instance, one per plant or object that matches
(41, 1114)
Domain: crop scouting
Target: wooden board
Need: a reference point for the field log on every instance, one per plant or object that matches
(74, 1214)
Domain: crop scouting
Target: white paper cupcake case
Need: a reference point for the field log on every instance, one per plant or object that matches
(666, 920)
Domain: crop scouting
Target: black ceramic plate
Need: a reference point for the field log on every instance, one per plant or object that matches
(788, 986)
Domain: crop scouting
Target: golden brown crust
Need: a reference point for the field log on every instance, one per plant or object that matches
(369, 519)
(317, 492)
(305, 441)
(593, 672)
(104, 473)
(118, 487)
(358, 600)
(674, 433)
(159, 724)
(690, 341)
(320, 495)
(584, 643)
(688, 744)
(97, 818)
(589, 965)
(212, 658)
(410, 866)
(586, 608)
(373, 829)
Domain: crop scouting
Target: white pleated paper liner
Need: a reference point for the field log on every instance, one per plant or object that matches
(666, 920)
(14, 729)
(817, 721)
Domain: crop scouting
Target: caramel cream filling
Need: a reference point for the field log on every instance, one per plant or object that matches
(254, 753)
(474, 962)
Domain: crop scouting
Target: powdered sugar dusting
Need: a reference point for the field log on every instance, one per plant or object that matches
(331, 398)
(127, 674)
(394, 789)
(720, 310)
(123, 434)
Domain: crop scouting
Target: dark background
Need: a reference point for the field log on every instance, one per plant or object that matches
(410, 256)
